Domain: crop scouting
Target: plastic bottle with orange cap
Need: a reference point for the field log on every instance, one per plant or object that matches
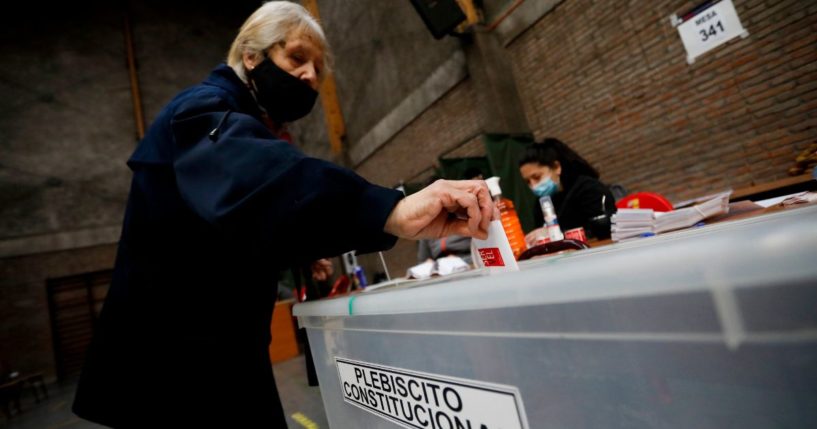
(508, 217)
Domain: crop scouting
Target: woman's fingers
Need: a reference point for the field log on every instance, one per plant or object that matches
(487, 206)
(479, 205)
(459, 227)
(444, 208)
(459, 201)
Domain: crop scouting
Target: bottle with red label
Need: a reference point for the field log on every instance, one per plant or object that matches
(508, 217)
(554, 241)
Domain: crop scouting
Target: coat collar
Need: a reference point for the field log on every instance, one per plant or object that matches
(225, 77)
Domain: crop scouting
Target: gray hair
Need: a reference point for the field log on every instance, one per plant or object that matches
(273, 23)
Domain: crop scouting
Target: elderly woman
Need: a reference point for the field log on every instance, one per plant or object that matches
(218, 205)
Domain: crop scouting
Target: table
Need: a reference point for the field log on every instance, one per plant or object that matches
(788, 185)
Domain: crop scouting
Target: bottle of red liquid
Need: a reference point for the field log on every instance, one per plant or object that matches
(508, 217)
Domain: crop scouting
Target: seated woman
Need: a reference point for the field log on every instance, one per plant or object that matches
(550, 168)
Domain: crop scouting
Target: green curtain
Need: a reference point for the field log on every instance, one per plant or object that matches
(504, 152)
(455, 168)
(412, 187)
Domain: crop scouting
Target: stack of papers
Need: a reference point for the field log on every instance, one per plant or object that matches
(699, 200)
(628, 223)
(689, 216)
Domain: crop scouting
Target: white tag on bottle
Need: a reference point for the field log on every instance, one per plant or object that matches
(495, 252)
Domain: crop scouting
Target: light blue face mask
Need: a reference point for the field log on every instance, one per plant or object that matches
(545, 188)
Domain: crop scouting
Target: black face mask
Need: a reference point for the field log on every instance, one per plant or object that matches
(284, 96)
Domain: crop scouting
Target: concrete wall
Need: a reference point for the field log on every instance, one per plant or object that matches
(66, 130)
(66, 118)
(65, 121)
(385, 64)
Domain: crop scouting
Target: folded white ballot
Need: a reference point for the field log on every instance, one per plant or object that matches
(441, 267)
(495, 252)
(451, 264)
(421, 271)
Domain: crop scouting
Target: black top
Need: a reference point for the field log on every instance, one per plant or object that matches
(217, 207)
(577, 205)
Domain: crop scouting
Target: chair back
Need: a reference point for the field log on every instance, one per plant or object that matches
(645, 200)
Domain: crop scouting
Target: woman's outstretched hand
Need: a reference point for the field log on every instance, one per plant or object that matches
(462, 207)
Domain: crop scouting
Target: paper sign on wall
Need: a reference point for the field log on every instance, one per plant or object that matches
(706, 29)
(421, 400)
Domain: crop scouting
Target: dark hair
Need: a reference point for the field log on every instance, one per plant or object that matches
(550, 150)
(472, 172)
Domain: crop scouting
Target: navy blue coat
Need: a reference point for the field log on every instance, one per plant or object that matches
(217, 207)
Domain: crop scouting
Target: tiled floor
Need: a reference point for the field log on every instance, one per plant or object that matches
(302, 404)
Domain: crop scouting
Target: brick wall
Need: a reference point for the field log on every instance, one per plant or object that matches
(614, 84)
(449, 122)
(473, 147)
(611, 79)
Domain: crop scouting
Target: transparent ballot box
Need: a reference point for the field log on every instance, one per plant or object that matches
(707, 328)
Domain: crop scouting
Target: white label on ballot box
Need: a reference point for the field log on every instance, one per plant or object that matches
(421, 400)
